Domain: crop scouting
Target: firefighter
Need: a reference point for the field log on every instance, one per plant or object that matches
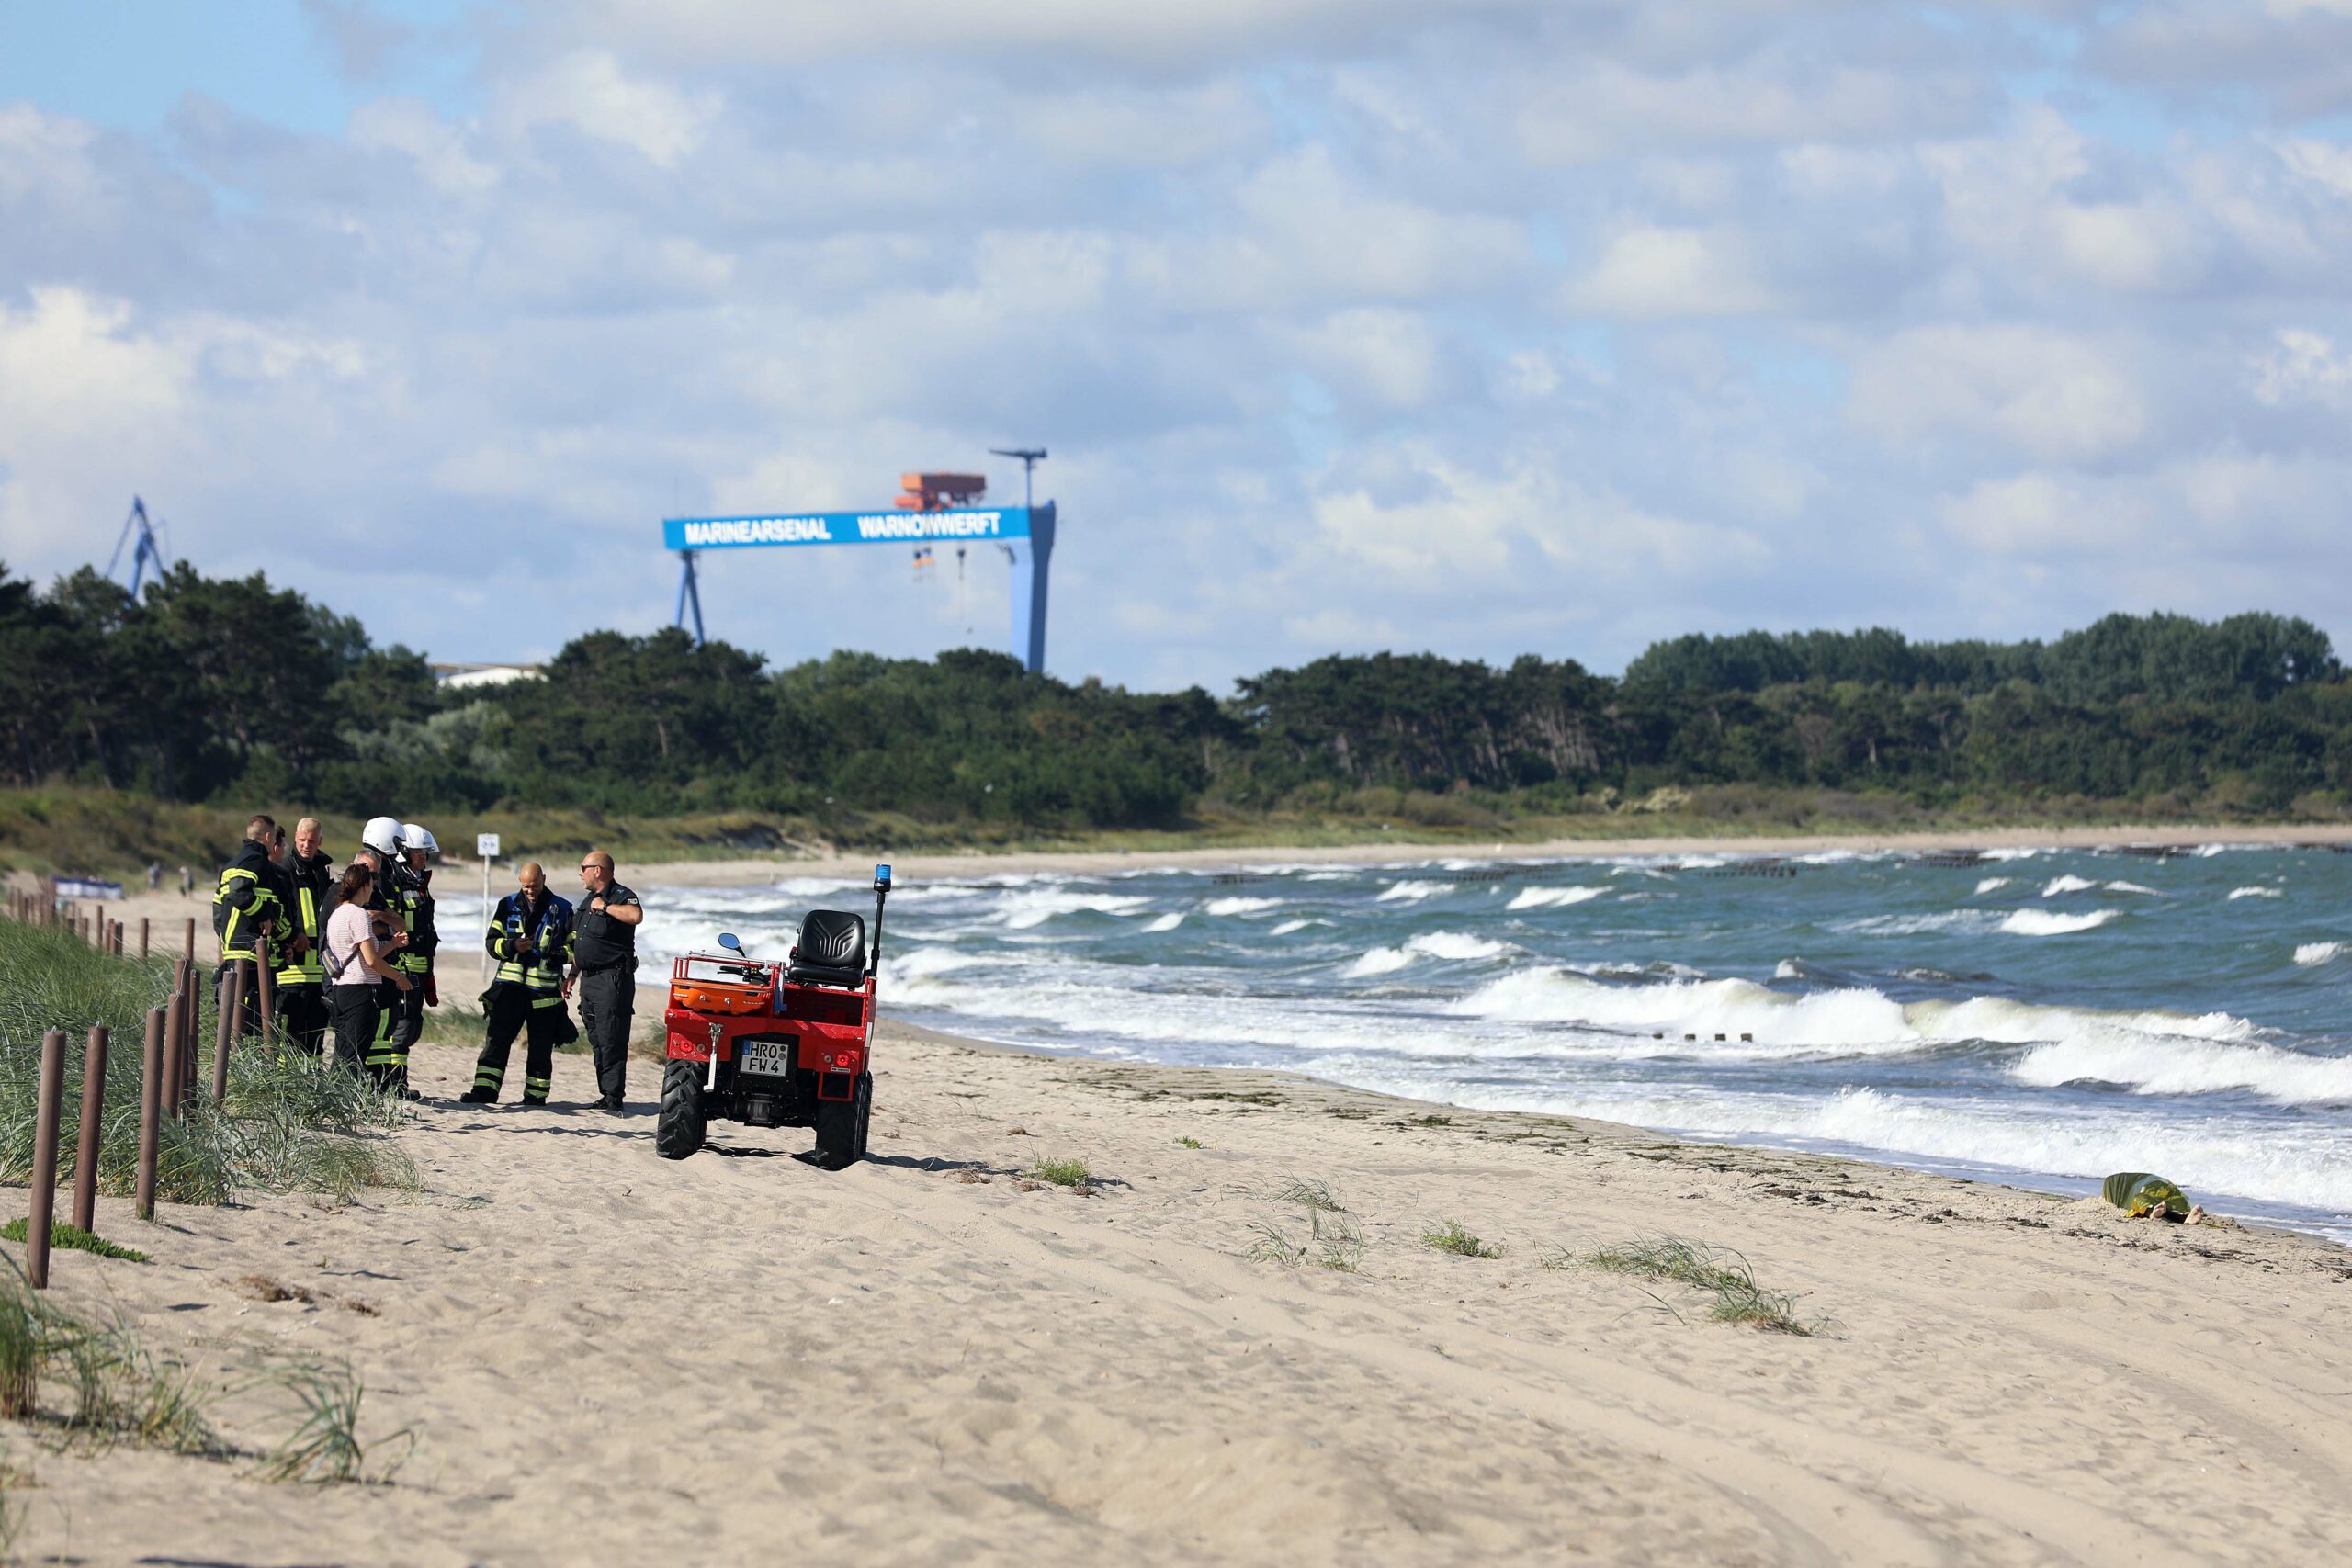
(605, 955)
(530, 935)
(249, 899)
(302, 1012)
(414, 899)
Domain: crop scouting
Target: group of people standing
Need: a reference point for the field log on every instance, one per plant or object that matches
(354, 954)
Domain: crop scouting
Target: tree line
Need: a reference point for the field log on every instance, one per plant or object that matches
(211, 689)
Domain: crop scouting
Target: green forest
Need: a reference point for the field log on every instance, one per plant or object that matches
(226, 690)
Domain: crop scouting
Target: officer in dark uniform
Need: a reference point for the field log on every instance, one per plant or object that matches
(530, 935)
(605, 951)
(301, 974)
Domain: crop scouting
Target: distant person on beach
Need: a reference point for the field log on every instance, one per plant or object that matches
(188, 883)
(303, 1010)
(530, 935)
(249, 899)
(604, 955)
(357, 968)
(154, 875)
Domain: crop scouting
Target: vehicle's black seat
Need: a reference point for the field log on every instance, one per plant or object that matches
(831, 950)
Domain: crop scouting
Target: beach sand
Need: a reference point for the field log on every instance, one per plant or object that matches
(739, 1358)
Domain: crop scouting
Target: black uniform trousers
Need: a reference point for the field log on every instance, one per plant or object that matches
(538, 1016)
(353, 1008)
(303, 1016)
(608, 1007)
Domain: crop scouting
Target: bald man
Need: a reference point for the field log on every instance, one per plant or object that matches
(605, 954)
(530, 935)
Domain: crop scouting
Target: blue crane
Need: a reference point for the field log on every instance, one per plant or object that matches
(139, 534)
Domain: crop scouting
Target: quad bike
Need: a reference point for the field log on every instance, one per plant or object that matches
(776, 1044)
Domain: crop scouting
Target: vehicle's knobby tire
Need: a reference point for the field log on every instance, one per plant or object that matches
(841, 1125)
(679, 1131)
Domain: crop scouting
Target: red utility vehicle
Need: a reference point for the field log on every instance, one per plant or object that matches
(776, 1044)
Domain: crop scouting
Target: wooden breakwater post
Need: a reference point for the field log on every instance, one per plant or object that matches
(176, 1033)
(232, 1010)
(151, 1105)
(94, 1115)
(44, 1184)
(143, 923)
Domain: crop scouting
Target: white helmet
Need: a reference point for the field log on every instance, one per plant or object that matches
(419, 838)
(382, 835)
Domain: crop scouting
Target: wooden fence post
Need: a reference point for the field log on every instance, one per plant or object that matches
(143, 923)
(174, 1040)
(53, 1098)
(266, 985)
(187, 942)
(94, 1115)
(151, 1105)
(232, 1010)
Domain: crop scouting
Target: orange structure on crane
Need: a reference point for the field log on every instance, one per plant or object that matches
(937, 493)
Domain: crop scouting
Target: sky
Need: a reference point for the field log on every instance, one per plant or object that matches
(1487, 328)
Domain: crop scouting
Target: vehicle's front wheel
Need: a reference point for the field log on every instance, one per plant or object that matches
(679, 1131)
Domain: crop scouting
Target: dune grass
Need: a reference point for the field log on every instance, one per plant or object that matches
(287, 1123)
(1449, 1236)
(1064, 1172)
(1722, 1273)
(1334, 1240)
(65, 1233)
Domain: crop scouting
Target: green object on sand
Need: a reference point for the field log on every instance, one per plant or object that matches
(65, 1233)
(2136, 1193)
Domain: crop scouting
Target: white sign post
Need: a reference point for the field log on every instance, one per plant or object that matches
(486, 851)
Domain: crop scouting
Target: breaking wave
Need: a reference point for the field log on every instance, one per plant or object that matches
(2312, 953)
(1454, 945)
(2043, 922)
(1552, 898)
(2238, 893)
(1239, 906)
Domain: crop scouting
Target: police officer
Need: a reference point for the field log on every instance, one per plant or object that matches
(413, 898)
(301, 972)
(530, 935)
(605, 951)
(250, 897)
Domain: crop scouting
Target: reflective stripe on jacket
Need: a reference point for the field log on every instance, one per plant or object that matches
(542, 968)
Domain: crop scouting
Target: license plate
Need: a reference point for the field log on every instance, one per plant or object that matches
(768, 1058)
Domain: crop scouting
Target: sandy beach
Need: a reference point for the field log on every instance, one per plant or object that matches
(930, 1358)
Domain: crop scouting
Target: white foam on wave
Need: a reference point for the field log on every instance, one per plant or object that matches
(1852, 1019)
(1458, 946)
(2314, 953)
(1289, 926)
(1239, 906)
(1993, 885)
(1920, 925)
(2238, 893)
(2130, 888)
(2259, 1159)
(1414, 890)
(1166, 923)
(1552, 898)
(2044, 923)
(2149, 1065)
(2015, 854)
(2069, 883)
(922, 963)
(1026, 908)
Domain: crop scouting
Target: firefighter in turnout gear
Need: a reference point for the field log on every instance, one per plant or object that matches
(413, 897)
(530, 935)
(249, 898)
(301, 970)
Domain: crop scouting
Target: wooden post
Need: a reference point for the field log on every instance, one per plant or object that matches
(53, 1099)
(167, 1081)
(98, 924)
(143, 923)
(187, 942)
(232, 1008)
(268, 985)
(151, 1105)
(94, 1115)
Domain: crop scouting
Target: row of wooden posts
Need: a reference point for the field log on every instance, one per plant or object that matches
(167, 1074)
(106, 936)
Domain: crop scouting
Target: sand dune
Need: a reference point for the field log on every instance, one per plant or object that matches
(743, 1358)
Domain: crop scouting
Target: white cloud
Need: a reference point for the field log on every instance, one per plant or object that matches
(2057, 396)
(2304, 368)
(1653, 274)
(588, 91)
